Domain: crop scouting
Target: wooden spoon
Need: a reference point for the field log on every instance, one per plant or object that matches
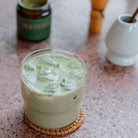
(134, 15)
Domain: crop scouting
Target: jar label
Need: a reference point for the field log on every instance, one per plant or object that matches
(34, 29)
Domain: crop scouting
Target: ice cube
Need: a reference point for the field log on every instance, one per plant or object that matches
(58, 65)
(31, 78)
(68, 84)
(73, 65)
(46, 73)
(44, 70)
(51, 77)
(52, 88)
(29, 67)
(78, 73)
(47, 61)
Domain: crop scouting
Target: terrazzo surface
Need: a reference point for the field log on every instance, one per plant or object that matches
(111, 94)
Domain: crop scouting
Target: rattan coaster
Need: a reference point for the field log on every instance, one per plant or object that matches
(61, 131)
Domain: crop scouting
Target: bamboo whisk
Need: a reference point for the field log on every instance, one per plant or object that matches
(97, 15)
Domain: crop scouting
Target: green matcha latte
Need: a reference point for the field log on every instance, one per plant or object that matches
(52, 84)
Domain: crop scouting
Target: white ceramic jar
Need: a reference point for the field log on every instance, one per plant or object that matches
(51, 112)
(122, 41)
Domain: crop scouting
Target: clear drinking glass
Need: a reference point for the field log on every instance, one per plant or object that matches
(56, 112)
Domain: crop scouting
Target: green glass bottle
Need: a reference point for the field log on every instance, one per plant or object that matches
(33, 19)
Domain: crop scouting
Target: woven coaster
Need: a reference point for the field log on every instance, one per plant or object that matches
(61, 131)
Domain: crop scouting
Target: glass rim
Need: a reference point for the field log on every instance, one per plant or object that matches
(78, 58)
(45, 6)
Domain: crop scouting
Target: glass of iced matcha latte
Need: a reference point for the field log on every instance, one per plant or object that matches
(52, 85)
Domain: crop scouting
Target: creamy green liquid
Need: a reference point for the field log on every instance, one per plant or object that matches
(52, 74)
(34, 3)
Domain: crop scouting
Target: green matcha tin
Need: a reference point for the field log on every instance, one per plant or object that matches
(33, 19)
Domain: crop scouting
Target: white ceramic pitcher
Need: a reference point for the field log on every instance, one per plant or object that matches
(122, 41)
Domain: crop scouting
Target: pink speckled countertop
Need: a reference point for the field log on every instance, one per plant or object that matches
(111, 95)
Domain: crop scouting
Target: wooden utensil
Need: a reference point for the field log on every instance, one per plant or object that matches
(134, 15)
